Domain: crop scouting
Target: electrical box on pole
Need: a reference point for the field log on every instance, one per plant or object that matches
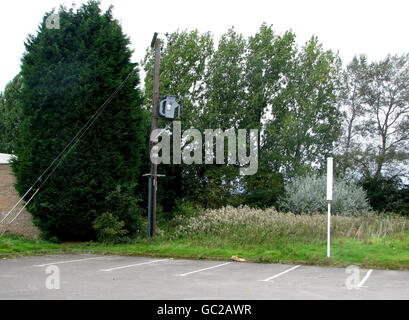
(167, 108)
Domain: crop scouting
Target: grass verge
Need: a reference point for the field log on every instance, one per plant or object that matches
(388, 253)
(368, 240)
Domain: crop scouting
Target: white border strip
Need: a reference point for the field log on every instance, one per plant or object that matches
(281, 273)
(360, 285)
(219, 265)
(134, 265)
(61, 262)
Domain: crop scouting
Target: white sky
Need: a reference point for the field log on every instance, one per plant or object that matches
(376, 27)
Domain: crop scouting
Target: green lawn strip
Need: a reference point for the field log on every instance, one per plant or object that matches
(369, 254)
(18, 245)
(177, 249)
(386, 253)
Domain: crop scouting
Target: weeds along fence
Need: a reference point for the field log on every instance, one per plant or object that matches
(256, 225)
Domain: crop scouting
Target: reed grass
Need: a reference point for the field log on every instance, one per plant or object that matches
(255, 226)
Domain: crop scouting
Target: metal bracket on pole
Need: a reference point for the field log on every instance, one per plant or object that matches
(154, 175)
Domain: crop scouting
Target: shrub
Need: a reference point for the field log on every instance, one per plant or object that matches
(123, 204)
(185, 209)
(109, 229)
(308, 194)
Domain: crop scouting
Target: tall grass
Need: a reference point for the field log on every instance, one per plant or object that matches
(253, 226)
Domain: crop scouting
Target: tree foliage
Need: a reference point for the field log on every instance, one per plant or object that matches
(68, 73)
(376, 100)
(10, 114)
(264, 82)
(351, 104)
(386, 194)
(305, 119)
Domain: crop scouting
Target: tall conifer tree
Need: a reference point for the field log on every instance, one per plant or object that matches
(68, 73)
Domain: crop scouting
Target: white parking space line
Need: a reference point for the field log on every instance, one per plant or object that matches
(281, 273)
(61, 262)
(219, 265)
(360, 285)
(135, 265)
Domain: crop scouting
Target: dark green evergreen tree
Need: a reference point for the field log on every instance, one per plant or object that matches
(68, 73)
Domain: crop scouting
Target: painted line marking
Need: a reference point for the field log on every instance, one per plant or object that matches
(281, 273)
(219, 265)
(135, 265)
(361, 284)
(61, 262)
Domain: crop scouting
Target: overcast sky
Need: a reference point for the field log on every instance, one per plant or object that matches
(376, 27)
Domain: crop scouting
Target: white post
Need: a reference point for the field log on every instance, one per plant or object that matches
(329, 200)
(329, 231)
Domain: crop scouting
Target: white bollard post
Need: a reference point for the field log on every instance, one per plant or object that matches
(329, 231)
(329, 200)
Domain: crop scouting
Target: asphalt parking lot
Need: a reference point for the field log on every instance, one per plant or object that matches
(86, 276)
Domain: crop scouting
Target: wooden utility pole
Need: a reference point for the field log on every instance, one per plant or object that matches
(153, 179)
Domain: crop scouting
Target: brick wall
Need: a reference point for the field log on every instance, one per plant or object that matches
(8, 198)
